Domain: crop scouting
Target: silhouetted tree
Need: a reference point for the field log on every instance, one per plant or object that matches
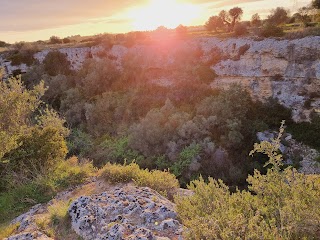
(232, 17)
(55, 40)
(235, 14)
(214, 23)
(225, 18)
(304, 15)
(256, 20)
(278, 16)
(181, 30)
(3, 44)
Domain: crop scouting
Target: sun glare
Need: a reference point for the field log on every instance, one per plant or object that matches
(168, 13)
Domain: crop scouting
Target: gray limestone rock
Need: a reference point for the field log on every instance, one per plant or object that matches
(125, 213)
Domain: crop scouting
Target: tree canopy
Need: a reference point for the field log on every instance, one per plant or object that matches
(214, 23)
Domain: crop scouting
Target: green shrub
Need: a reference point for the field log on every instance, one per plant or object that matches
(55, 40)
(22, 56)
(58, 211)
(71, 173)
(205, 74)
(40, 147)
(56, 223)
(79, 143)
(3, 44)
(270, 30)
(240, 29)
(279, 205)
(185, 158)
(115, 173)
(307, 132)
(163, 182)
(114, 150)
(56, 63)
(19, 198)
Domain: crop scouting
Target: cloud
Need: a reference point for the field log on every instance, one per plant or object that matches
(220, 3)
(229, 3)
(26, 15)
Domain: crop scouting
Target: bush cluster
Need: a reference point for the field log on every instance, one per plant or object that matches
(161, 181)
(278, 205)
(270, 30)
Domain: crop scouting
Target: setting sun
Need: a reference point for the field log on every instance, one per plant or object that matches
(168, 13)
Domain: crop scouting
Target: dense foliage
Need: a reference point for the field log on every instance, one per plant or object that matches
(189, 128)
(32, 150)
(283, 204)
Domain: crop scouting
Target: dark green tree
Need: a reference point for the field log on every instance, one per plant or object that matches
(56, 63)
(214, 23)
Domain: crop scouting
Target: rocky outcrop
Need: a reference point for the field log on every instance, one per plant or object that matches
(125, 213)
(28, 229)
(288, 71)
(36, 235)
(104, 211)
(76, 56)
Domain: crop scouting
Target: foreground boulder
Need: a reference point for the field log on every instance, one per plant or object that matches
(125, 213)
(30, 236)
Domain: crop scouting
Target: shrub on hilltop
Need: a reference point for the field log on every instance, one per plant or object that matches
(270, 30)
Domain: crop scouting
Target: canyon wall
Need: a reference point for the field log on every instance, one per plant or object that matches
(287, 70)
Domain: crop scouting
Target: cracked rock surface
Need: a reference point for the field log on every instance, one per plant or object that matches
(125, 213)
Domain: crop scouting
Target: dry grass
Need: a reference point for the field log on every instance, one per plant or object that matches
(7, 230)
(161, 181)
(56, 222)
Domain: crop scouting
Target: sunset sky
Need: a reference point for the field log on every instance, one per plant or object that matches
(31, 20)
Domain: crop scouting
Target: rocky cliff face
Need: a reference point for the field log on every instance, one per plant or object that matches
(287, 70)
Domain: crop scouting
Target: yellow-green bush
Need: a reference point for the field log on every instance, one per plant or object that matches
(8, 230)
(279, 205)
(70, 172)
(56, 223)
(163, 182)
(58, 211)
(115, 173)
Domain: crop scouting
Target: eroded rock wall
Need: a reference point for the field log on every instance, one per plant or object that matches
(287, 70)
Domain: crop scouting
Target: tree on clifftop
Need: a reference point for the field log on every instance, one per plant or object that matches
(214, 23)
(231, 17)
(256, 20)
(235, 14)
(278, 16)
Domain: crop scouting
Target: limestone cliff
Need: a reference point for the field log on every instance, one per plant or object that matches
(287, 70)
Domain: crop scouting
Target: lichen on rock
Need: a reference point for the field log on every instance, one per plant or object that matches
(125, 213)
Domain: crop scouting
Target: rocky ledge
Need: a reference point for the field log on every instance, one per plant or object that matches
(125, 213)
(115, 213)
